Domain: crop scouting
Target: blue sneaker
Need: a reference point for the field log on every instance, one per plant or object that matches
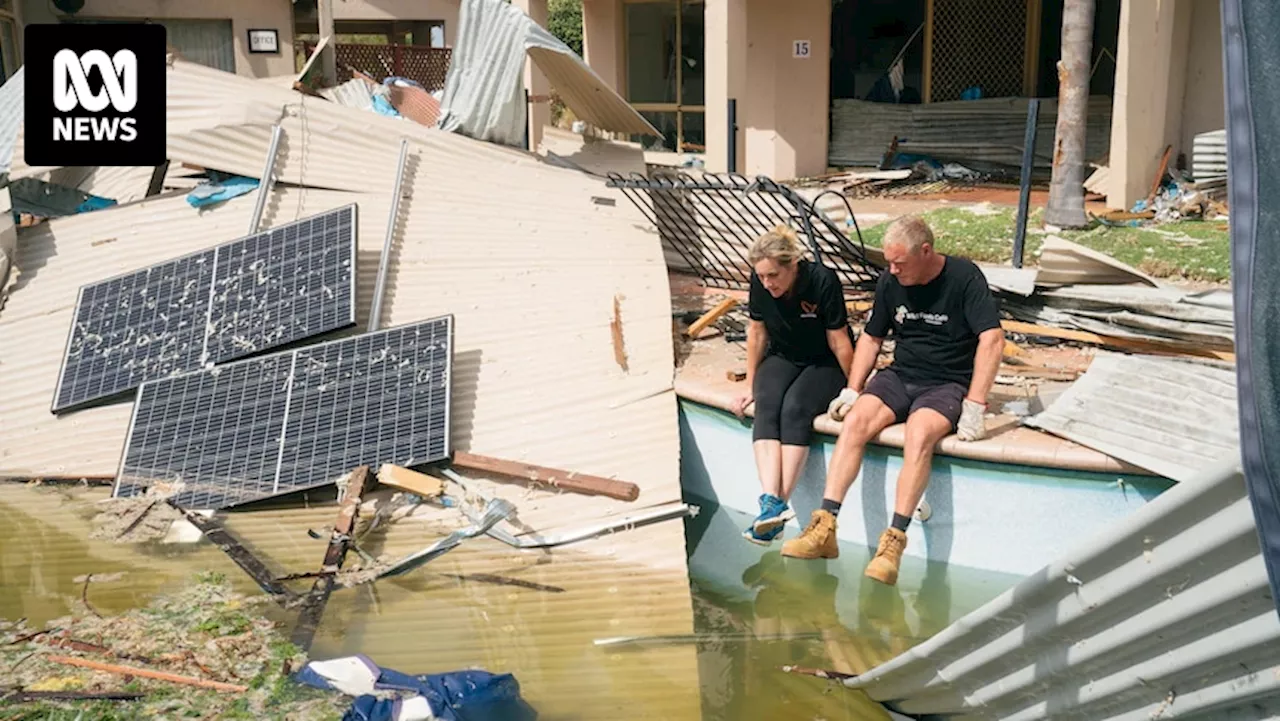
(774, 514)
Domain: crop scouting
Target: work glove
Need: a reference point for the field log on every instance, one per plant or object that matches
(841, 404)
(973, 425)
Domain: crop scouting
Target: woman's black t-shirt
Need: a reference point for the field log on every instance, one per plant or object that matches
(798, 321)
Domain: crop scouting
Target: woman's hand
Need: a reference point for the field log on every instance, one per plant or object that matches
(741, 402)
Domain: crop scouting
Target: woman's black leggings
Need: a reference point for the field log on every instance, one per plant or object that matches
(789, 396)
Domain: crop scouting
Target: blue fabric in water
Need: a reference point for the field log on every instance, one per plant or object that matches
(471, 695)
(218, 189)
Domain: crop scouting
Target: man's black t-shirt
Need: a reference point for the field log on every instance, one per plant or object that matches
(935, 325)
(798, 321)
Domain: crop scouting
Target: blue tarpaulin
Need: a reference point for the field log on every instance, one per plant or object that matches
(219, 188)
(471, 695)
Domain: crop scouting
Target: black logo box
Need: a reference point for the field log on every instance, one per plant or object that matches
(147, 148)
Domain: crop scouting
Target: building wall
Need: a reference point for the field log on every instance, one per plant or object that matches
(726, 58)
(786, 106)
(1204, 104)
(603, 41)
(243, 14)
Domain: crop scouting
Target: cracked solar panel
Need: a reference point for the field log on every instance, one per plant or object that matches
(295, 420)
(259, 292)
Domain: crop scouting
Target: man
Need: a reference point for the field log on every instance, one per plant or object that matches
(948, 346)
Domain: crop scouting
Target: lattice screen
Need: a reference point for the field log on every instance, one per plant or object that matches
(978, 43)
(427, 66)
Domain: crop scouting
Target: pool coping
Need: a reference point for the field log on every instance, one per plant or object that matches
(1008, 441)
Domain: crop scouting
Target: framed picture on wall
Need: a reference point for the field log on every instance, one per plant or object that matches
(264, 41)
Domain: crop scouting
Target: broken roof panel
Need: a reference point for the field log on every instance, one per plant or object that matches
(528, 229)
(484, 92)
(1166, 614)
(1065, 263)
(1172, 417)
(11, 109)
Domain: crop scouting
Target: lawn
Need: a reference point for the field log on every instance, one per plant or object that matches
(1188, 250)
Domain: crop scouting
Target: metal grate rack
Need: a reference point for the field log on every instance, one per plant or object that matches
(708, 222)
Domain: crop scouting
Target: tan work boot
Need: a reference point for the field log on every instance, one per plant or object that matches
(884, 567)
(818, 539)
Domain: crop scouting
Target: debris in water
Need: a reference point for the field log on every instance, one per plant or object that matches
(205, 633)
(137, 519)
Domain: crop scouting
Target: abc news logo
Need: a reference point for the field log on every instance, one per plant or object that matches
(95, 95)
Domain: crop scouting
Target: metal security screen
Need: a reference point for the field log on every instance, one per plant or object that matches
(979, 44)
(242, 297)
(708, 223)
(291, 421)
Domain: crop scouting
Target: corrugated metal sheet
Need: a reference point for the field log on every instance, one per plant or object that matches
(121, 184)
(483, 95)
(11, 108)
(428, 621)
(587, 94)
(1173, 417)
(1065, 263)
(415, 104)
(1209, 155)
(1167, 615)
(990, 130)
(355, 93)
(1131, 311)
(516, 249)
(592, 154)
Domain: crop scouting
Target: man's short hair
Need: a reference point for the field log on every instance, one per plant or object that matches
(909, 230)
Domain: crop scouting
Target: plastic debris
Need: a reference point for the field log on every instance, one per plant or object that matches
(387, 695)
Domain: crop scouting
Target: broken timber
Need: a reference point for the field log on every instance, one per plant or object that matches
(315, 601)
(711, 316)
(1132, 344)
(247, 562)
(563, 480)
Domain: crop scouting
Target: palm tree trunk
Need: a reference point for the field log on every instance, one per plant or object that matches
(1066, 189)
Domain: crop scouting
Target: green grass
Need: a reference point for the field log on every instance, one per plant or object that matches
(1190, 250)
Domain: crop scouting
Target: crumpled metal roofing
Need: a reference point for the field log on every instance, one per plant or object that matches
(516, 249)
(11, 110)
(1167, 615)
(484, 91)
(1170, 416)
(987, 130)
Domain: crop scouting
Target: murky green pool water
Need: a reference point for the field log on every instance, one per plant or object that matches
(753, 612)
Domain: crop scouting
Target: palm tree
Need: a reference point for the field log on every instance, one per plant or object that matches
(1066, 189)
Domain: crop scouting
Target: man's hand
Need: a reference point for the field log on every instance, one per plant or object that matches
(841, 404)
(741, 403)
(973, 424)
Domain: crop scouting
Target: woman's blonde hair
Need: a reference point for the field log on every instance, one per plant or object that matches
(781, 245)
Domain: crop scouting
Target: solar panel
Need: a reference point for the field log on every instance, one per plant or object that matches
(293, 420)
(242, 297)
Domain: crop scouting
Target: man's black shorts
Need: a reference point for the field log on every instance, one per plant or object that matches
(945, 397)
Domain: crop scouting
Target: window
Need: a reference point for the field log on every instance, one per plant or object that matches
(664, 70)
(207, 42)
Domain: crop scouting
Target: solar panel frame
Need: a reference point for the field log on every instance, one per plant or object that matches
(342, 291)
(193, 424)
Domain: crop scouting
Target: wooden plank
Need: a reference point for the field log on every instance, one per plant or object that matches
(146, 673)
(312, 609)
(1133, 344)
(422, 484)
(711, 316)
(928, 52)
(736, 375)
(1155, 182)
(564, 480)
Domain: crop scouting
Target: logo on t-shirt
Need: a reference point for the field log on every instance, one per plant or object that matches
(810, 309)
(901, 315)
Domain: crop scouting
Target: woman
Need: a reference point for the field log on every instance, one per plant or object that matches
(799, 350)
